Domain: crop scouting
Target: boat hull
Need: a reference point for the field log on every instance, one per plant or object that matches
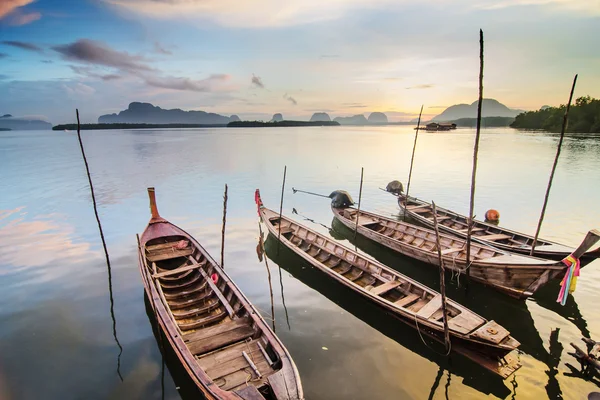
(519, 281)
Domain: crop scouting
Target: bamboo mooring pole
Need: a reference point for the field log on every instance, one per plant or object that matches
(442, 279)
(281, 209)
(109, 269)
(261, 245)
(560, 141)
(362, 170)
(412, 159)
(475, 151)
(223, 229)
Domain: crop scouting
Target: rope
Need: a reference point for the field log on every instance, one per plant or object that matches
(425, 343)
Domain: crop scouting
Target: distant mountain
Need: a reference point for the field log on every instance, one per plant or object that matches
(378, 118)
(277, 118)
(320, 116)
(7, 121)
(150, 114)
(358, 119)
(234, 118)
(489, 108)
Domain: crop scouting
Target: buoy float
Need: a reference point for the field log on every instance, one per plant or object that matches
(492, 215)
(215, 278)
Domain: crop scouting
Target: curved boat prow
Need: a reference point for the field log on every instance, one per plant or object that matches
(153, 208)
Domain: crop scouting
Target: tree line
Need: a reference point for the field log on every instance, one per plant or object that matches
(584, 117)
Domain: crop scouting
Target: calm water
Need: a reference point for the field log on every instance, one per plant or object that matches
(56, 327)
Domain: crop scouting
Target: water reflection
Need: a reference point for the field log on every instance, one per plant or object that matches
(474, 376)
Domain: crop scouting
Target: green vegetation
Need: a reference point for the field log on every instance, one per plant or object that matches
(73, 127)
(486, 122)
(584, 117)
(254, 124)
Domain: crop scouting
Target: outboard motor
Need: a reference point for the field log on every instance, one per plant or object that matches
(341, 199)
(395, 187)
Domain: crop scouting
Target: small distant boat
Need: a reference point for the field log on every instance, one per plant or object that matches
(514, 274)
(218, 336)
(489, 234)
(417, 305)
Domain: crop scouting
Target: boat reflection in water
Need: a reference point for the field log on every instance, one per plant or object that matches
(386, 323)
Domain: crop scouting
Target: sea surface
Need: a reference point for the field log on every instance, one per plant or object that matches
(73, 328)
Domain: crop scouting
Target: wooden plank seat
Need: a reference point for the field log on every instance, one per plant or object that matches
(498, 236)
(405, 301)
(221, 335)
(442, 218)
(452, 250)
(180, 269)
(417, 208)
(169, 253)
(386, 287)
(472, 230)
(431, 307)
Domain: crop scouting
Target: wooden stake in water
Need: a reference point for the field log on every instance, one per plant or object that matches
(281, 208)
(362, 170)
(560, 141)
(412, 158)
(109, 269)
(442, 279)
(261, 245)
(223, 229)
(475, 151)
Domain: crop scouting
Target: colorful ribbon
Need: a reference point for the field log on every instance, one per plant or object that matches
(570, 279)
(258, 201)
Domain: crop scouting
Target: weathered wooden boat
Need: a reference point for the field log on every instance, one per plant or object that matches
(514, 274)
(220, 339)
(484, 341)
(483, 232)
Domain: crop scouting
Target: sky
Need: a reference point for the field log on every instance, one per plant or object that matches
(254, 58)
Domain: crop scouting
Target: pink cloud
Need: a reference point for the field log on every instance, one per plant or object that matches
(8, 6)
(18, 18)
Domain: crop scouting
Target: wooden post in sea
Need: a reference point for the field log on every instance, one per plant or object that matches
(112, 312)
(442, 279)
(475, 151)
(281, 209)
(262, 253)
(362, 170)
(223, 229)
(560, 141)
(412, 159)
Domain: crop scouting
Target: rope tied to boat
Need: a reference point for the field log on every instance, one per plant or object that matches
(569, 281)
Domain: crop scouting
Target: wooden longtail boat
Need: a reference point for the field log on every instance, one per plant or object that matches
(514, 274)
(220, 339)
(484, 341)
(490, 234)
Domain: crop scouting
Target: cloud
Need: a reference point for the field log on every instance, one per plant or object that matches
(423, 86)
(93, 52)
(257, 81)
(3, 77)
(90, 73)
(23, 45)
(48, 61)
(18, 18)
(175, 83)
(3, 55)
(79, 89)
(8, 6)
(354, 105)
(329, 56)
(290, 99)
(161, 50)
(437, 107)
